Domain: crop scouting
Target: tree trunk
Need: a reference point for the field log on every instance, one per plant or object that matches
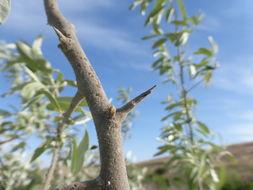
(107, 118)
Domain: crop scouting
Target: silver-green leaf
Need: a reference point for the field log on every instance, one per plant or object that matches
(4, 10)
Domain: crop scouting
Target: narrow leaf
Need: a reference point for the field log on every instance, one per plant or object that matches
(74, 155)
(4, 113)
(148, 37)
(204, 51)
(169, 14)
(4, 10)
(37, 45)
(82, 149)
(159, 43)
(182, 39)
(52, 99)
(203, 127)
(182, 9)
(38, 152)
(213, 44)
(208, 77)
(30, 89)
(154, 13)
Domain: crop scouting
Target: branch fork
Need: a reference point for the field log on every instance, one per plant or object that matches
(113, 174)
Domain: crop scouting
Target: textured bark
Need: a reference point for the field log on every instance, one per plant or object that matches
(107, 118)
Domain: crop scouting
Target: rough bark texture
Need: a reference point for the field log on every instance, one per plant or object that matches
(107, 118)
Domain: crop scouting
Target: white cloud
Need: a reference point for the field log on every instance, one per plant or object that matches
(138, 66)
(28, 19)
(248, 115)
(237, 8)
(85, 5)
(235, 77)
(108, 38)
(241, 132)
(241, 116)
(210, 24)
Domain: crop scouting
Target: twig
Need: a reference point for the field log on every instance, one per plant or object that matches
(8, 140)
(130, 105)
(51, 169)
(74, 103)
(195, 85)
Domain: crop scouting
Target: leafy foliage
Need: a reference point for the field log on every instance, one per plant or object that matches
(188, 141)
(39, 88)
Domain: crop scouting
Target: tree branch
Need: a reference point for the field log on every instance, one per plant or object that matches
(124, 110)
(87, 80)
(113, 174)
(8, 140)
(74, 103)
(51, 169)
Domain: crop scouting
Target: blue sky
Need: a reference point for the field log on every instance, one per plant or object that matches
(110, 35)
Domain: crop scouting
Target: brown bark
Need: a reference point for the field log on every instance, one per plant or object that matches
(107, 118)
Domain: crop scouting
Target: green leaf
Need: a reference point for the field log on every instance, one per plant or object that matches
(208, 76)
(82, 149)
(71, 83)
(31, 74)
(180, 22)
(182, 9)
(21, 145)
(32, 101)
(4, 113)
(164, 149)
(173, 36)
(93, 147)
(164, 68)
(38, 152)
(222, 177)
(203, 128)
(64, 103)
(74, 155)
(24, 49)
(169, 14)
(201, 64)
(213, 45)
(144, 7)
(135, 4)
(37, 45)
(78, 153)
(32, 56)
(214, 175)
(182, 39)
(204, 51)
(158, 8)
(41, 149)
(69, 99)
(159, 43)
(4, 10)
(192, 69)
(148, 37)
(157, 29)
(52, 99)
(172, 106)
(196, 20)
(176, 115)
(154, 65)
(30, 89)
